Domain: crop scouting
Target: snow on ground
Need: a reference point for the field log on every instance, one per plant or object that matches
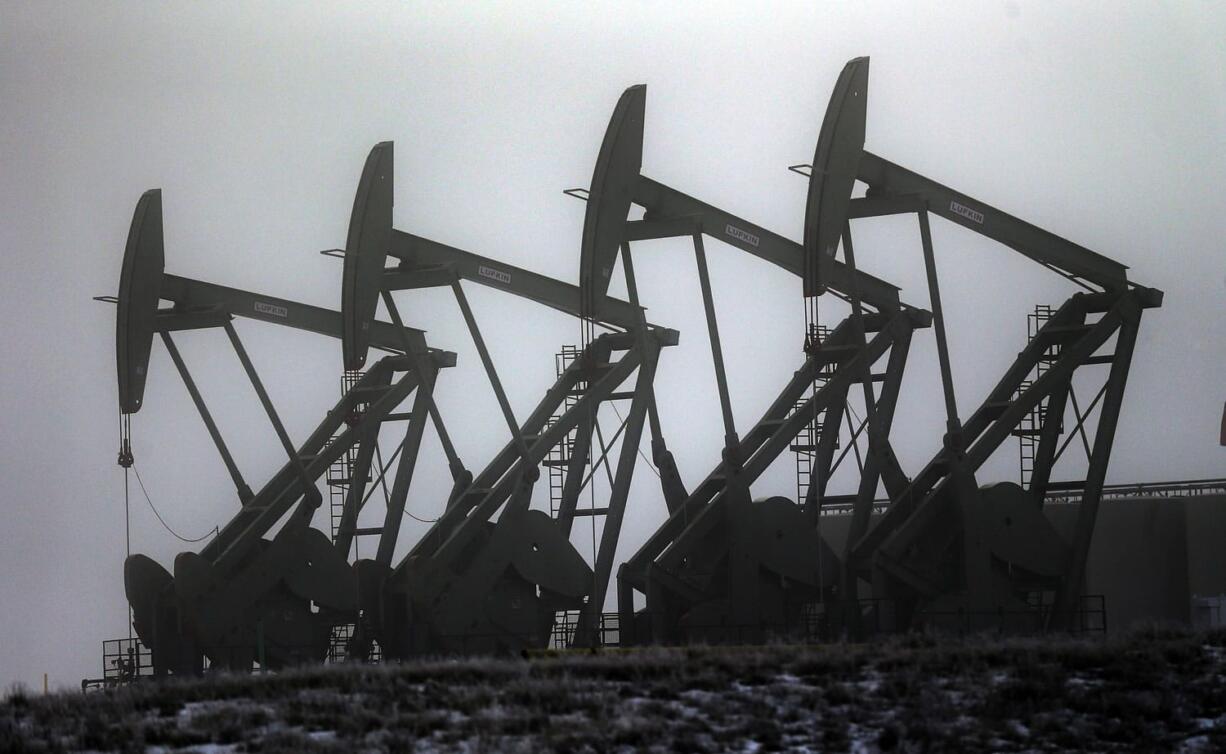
(1161, 690)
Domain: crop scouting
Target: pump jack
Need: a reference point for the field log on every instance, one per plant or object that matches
(947, 550)
(723, 567)
(472, 583)
(244, 597)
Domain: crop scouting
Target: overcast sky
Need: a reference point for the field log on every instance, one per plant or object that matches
(1105, 123)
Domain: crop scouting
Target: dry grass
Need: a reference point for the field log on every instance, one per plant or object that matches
(1160, 689)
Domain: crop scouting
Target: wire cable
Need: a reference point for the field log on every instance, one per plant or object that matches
(125, 461)
(642, 455)
(216, 530)
(386, 497)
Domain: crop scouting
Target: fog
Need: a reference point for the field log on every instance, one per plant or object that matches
(1104, 123)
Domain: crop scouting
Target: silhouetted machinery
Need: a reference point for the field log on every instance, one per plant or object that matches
(246, 597)
(494, 574)
(472, 583)
(725, 567)
(947, 551)
(491, 574)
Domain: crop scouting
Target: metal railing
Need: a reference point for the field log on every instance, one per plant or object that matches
(566, 623)
(124, 661)
(1070, 492)
(814, 623)
(1090, 617)
(339, 647)
(1067, 492)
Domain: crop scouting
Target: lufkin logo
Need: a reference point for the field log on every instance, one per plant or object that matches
(272, 309)
(492, 274)
(965, 211)
(742, 235)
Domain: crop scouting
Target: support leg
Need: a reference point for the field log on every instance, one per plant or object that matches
(1069, 594)
(404, 472)
(953, 423)
(512, 424)
(670, 478)
(453, 459)
(244, 492)
(731, 440)
(311, 497)
(589, 620)
(359, 470)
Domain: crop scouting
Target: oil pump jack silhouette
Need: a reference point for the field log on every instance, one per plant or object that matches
(945, 549)
(493, 574)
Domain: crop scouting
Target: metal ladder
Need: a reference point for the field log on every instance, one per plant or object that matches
(339, 474)
(1028, 429)
(560, 454)
(338, 647)
(805, 445)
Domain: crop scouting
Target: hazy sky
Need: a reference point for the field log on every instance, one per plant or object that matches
(1105, 123)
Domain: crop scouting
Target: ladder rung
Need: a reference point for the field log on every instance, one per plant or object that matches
(555, 462)
(339, 481)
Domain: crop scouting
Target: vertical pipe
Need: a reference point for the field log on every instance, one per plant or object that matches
(259, 640)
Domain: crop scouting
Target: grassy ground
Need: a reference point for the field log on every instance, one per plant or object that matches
(1153, 690)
